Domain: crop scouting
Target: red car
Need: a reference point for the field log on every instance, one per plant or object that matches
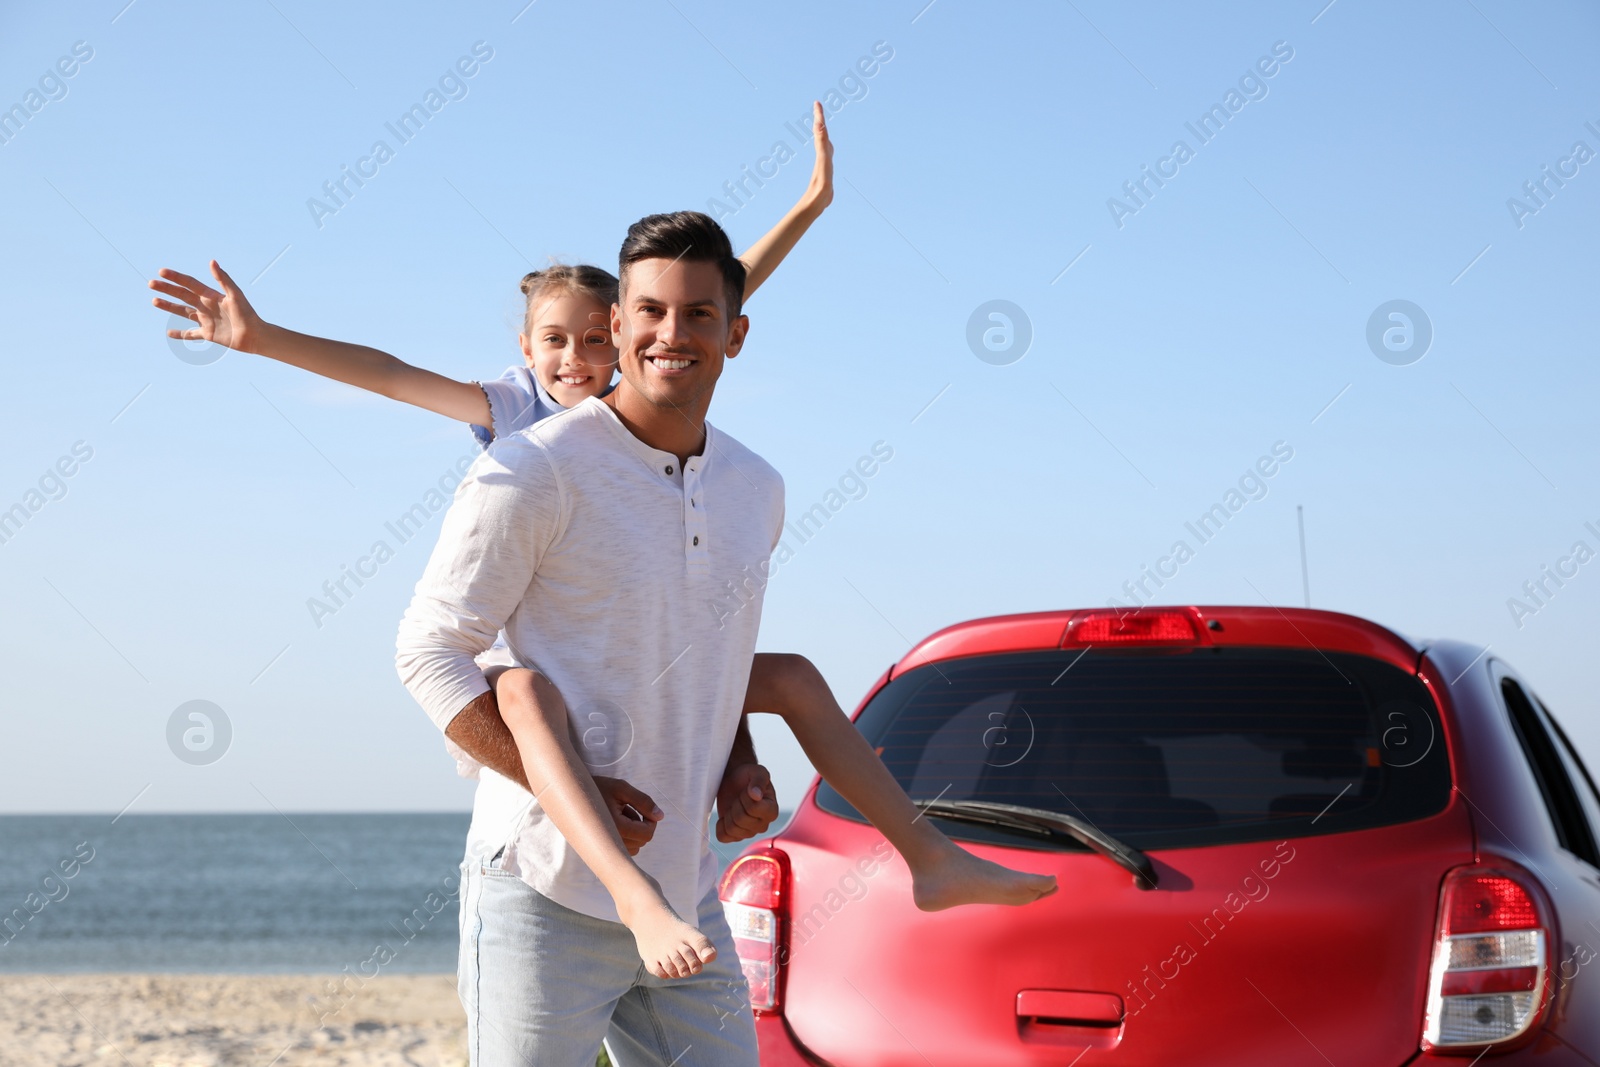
(1282, 837)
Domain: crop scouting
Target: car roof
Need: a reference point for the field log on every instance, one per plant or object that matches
(1216, 625)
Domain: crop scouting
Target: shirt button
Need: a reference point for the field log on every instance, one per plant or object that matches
(697, 539)
(693, 503)
(669, 469)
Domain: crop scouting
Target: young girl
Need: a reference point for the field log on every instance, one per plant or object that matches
(569, 356)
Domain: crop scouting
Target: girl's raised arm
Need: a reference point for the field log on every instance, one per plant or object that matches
(763, 257)
(226, 318)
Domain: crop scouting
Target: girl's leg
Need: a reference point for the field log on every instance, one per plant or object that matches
(943, 875)
(536, 715)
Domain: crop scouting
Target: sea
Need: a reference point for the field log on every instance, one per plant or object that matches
(236, 893)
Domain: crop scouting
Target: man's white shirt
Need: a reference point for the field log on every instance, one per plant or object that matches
(635, 584)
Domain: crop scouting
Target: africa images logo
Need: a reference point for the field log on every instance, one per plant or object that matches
(1399, 332)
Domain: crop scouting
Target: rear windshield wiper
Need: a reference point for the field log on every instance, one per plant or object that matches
(1037, 820)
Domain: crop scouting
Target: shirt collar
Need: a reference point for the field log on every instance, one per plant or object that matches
(654, 458)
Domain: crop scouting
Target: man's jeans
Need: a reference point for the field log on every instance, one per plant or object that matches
(543, 984)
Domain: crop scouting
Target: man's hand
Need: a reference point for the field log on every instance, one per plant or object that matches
(746, 802)
(631, 809)
(225, 318)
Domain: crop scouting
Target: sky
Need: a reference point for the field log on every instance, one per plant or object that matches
(1169, 317)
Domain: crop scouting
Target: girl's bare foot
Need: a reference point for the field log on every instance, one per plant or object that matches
(669, 947)
(958, 877)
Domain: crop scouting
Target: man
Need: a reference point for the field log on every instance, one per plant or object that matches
(595, 540)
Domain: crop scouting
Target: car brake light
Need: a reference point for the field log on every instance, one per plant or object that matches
(753, 893)
(1132, 628)
(1489, 982)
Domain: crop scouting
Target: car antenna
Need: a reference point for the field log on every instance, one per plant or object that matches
(1305, 573)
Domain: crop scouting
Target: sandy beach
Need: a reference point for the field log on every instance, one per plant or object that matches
(215, 1020)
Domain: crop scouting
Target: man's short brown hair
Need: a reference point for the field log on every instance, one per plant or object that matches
(685, 235)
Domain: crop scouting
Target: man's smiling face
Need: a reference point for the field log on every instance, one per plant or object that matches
(673, 331)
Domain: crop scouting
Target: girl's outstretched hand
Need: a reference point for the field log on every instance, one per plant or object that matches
(763, 257)
(225, 318)
(820, 191)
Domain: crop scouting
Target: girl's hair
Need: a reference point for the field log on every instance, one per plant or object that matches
(582, 280)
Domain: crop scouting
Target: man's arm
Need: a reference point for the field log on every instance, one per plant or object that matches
(746, 802)
(495, 533)
(482, 734)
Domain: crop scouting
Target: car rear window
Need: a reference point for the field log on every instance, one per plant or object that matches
(1166, 749)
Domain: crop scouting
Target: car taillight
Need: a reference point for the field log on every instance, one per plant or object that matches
(753, 893)
(1490, 978)
(1153, 627)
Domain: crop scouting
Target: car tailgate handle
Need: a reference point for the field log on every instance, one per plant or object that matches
(1062, 1007)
